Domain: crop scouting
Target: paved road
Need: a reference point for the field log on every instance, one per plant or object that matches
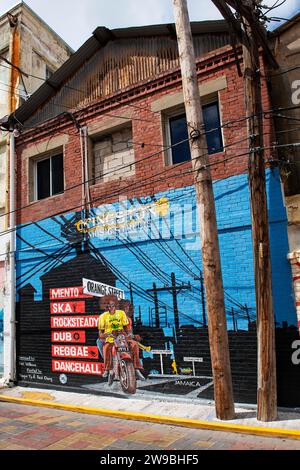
(32, 428)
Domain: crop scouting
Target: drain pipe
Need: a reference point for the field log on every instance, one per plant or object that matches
(12, 250)
(86, 200)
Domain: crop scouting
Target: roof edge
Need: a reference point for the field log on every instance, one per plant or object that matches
(199, 27)
(100, 37)
(12, 9)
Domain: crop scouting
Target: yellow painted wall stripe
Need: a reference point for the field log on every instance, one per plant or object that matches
(185, 422)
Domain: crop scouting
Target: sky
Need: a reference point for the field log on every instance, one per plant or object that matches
(75, 20)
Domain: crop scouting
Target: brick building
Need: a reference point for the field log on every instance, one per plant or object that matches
(105, 191)
(28, 43)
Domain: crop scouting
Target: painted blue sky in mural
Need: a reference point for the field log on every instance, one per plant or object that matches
(157, 236)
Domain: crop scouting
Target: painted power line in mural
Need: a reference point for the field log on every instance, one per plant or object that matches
(146, 251)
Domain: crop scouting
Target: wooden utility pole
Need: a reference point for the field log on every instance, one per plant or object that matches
(248, 31)
(218, 338)
(266, 386)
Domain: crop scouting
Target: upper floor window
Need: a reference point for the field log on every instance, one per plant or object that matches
(49, 176)
(178, 132)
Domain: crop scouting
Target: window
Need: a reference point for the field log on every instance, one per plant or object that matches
(113, 155)
(49, 176)
(179, 132)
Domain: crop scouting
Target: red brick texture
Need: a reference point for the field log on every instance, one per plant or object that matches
(152, 175)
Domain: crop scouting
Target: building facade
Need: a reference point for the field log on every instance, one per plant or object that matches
(29, 45)
(285, 85)
(107, 200)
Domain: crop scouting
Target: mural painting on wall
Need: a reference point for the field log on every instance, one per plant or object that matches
(147, 252)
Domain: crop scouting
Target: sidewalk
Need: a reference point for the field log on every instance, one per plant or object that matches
(192, 413)
(26, 427)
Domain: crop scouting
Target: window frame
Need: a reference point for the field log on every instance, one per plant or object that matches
(35, 174)
(178, 111)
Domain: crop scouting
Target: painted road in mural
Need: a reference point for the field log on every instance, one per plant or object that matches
(148, 251)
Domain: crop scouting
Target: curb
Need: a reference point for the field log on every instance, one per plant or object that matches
(183, 422)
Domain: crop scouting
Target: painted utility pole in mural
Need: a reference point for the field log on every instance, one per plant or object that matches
(219, 347)
(174, 289)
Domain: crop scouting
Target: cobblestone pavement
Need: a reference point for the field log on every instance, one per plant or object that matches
(31, 428)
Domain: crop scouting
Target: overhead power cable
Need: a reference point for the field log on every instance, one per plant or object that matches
(291, 69)
(144, 183)
(122, 167)
(144, 159)
(136, 185)
(61, 105)
(24, 226)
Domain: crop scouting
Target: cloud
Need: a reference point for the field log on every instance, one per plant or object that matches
(132, 12)
(125, 13)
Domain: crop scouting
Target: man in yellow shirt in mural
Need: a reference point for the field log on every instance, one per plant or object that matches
(111, 323)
